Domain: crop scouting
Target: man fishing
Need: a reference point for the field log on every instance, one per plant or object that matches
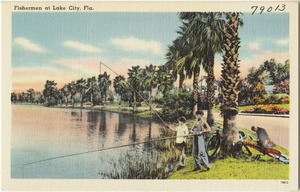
(199, 129)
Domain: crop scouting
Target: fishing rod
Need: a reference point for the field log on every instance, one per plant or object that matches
(104, 149)
(138, 94)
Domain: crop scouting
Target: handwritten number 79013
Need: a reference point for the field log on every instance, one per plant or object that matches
(262, 9)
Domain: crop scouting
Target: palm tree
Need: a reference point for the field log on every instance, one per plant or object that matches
(119, 85)
(81, 87)
(190, 46)
(92, 88)
(49, 92)
(150, 80)
(208, 29)
(229, 84)
(165, 79)
(134, 78)
(104, 84)
(175, 53)
(71, 90)
(30, 93)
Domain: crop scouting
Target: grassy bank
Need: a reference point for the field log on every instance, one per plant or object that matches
(232, 168)
(244, 167)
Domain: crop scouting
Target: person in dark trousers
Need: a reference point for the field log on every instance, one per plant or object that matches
(200, 128)
(263, 138)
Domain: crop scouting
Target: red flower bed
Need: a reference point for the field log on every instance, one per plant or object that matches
(267, 109)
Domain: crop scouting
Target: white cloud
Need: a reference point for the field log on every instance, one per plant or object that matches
(133, 44)
(28, 45)
(81, 46)
(254, 46)
(283, 42)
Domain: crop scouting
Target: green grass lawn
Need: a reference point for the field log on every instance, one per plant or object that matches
(232, 168)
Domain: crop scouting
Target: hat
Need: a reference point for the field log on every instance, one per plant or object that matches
(182, 119)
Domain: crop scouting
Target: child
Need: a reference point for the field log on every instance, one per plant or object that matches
(181, 139)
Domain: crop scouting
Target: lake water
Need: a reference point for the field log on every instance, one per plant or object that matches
(40, 133)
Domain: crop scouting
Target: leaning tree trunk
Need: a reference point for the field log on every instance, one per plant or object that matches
(195, 88)
(210, 91)
(229, 84)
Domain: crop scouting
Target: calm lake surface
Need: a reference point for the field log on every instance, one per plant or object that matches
(40, 132)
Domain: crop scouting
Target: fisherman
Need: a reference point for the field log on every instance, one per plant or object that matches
(181, 139)
(199, 129)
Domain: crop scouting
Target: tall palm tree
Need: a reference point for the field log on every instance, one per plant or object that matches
(173, 56)
(119, 85)
(229, 84)
(104, 84)
(71, 89)
(190, 46)
(208, 29)
(92, 88)
(165, 80)
(150, 80)
(135, 74)
(49, 92)
(81, 86)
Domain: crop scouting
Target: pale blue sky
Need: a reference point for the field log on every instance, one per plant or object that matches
(66, 46)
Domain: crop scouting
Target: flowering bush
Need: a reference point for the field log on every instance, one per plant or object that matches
(267, 109)
(282, 87)
(274, 99)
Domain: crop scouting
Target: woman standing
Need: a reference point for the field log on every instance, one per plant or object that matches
(199, 129)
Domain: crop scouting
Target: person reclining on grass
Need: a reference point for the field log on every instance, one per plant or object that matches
(263, 138)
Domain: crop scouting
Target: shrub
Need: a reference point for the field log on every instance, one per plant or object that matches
(177, 104)
(282, 87)
(267, 109)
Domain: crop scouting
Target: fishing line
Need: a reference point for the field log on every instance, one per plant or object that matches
(138, 94)
(105, 149)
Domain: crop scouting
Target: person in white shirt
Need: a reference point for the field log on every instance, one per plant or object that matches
(181, 139)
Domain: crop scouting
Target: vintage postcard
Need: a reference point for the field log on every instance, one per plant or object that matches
(150, 96)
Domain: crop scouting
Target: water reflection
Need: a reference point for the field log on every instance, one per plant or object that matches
(121, 126)
(55, 132)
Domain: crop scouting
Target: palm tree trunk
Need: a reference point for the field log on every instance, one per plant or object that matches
(92, 100)
(150, 98)
(134, 102)
(181, 80)
(210, 91)
(81, 100)
(195, 88)
(230, 133)
(229, 83)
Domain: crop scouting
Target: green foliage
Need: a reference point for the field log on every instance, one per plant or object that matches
(176, 105)
(277, 99)
(49, 93)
